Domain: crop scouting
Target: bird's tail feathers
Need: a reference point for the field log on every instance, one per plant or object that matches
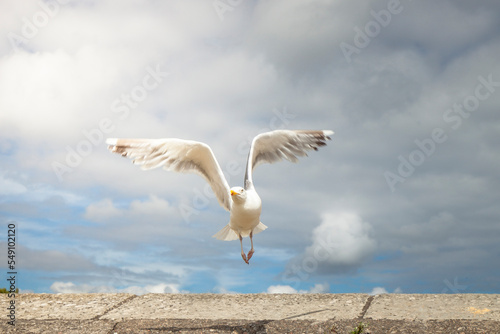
(259, 228)
(226, 234)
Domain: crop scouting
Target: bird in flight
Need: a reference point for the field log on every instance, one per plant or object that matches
(243, 203)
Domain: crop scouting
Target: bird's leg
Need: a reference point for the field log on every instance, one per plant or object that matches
(250, 253)
(242, 252)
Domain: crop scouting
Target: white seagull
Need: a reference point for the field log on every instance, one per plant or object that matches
(243, 204)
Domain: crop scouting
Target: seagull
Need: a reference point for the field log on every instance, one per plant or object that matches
(243, 203)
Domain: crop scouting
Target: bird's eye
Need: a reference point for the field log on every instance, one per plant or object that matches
(241, 191)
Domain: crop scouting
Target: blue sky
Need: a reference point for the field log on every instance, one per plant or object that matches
(403, 199)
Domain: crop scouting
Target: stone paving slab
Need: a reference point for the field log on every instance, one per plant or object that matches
(241, 306)
(164, 326)
(59, 327)
(63, 306)
(437, 307)
(305, 326)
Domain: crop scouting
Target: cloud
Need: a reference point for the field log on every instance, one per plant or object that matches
(10, 187)
(52, 260)
(281, 289)
(380, 290)
(307, 38)
(157, 218)
(320, 288)
(70, 287)
(102, 211)
(428, 233)
(219, 289)
(317, 288)
(152, 208)
(342, 242)
(475, 22)
(60, 86)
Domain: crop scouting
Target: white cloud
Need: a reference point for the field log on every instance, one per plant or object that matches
(317, 288)
(281, 289)
(67, 287)
(102, 211)
(70, 287)
(61, 87)
(320, 288)
(219, 289)
(152, 208)
(45, 191)
(378, 290)
(341, 240)
(158, 288)
(10, 187)
(160, 224)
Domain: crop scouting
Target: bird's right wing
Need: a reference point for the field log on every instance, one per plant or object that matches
(274, 146)
(177, 155)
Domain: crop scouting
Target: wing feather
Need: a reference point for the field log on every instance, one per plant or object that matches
(178, 155)
(278, 145)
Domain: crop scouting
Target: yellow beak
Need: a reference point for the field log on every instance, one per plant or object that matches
(233, 193)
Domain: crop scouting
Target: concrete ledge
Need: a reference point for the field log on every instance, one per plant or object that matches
(64, 306)
(435, 307)
(252, 313)
(241, 307)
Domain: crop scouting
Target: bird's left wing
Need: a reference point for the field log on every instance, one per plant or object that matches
(274, 146)
(177, 155)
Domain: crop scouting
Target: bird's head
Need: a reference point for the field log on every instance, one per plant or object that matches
(238, 194)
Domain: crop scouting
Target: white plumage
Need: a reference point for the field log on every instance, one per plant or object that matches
(189, 156)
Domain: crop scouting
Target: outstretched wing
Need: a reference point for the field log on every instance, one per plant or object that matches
(274, 146)
(177, 155)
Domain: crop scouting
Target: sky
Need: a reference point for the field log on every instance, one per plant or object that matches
(403, 199)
